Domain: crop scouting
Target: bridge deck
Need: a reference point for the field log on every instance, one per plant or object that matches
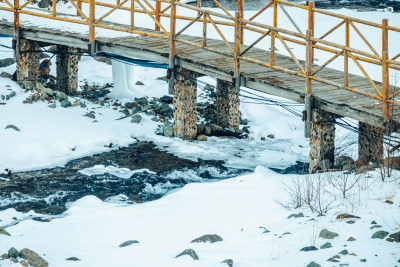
(326, 97)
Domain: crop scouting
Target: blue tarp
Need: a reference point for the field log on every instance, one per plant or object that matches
(135, 61)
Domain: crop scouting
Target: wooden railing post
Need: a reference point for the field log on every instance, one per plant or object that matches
(275, 24)
(346, 54)
(132, 15)
(308, 97)
(238, 30)
(198, 6)
(241, 15)
(79, 4)
(205, 29)
(16, 30)
(91, 27)
(158, 10)
(311, 19)
(385, 71)
(54, 7)
(172, 49)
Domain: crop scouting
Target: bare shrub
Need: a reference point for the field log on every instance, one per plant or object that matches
(343, 182)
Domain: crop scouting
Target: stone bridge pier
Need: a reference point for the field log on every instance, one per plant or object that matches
(28, 66)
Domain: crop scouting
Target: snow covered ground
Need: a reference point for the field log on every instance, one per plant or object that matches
(239, 210)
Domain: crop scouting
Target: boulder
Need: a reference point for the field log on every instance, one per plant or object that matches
(33, 258)
(136, 118)
(13, 252)
(168, 129)
(326, 234)
(207, 238)
(380, 235)
(201, 137)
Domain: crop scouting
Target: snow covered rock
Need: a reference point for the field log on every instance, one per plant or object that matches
(207, 238)
(189, 252)
(4, 232)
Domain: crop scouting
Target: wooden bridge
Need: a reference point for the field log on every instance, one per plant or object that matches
(235, 64)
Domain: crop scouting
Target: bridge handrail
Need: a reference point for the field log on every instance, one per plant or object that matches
(240, 24)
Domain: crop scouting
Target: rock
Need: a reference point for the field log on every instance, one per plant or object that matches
(167, 110)
(13, 260)
(202, 137)
(332, 260)
(167, 99)
(313, 264)
(24, 263)
(10, 126)
(168, 129)
(373, 222)
(155, 119)
(389, 202)
(142, 101)
(90, 115)
(246, 129)
(54, 105)
(5, 256)
(344, 252)
(229, 262)
(13, 252)
(60, 96)
(360, 162)
(200, 128)
(296, 215)
(136, 118)
(351, 222)
(266, 231)
(77, 103)
(163, 78)
(36, 97)
(215, 127)
(128, 243)
(380, 234)
(189, 252)
(33, 258)
(310, 248)
(375, 226)
(391, 240)
(342, 161)
(125, 112)
(363, 260)
(207, 130)
(364, 169)
(346, 216)
(326, 245)
(327, 234)
(396, 237)
(45, 3)
(239, 131)
(66, 103)
(129, 105)
(271, 136)
(351, 239)
(207, 238)
(4, 74)
(6, 62)
(73, 259)
(139, 83)
(83, 105)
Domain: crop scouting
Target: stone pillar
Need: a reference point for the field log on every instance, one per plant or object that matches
(185, 104)
(28, 64)
(67, 69)
(322, 140)
(228, 115)
(370, 142)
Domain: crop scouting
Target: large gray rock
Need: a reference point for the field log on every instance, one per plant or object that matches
(142, 101)
(13, 252)
(380, 234)
(168, 129)
(327, 234)
(136, 118)
(66, 103)
(33, 258)
(60, 96)
(189, 252)
(128, 243)
(6, 62)
(396, 237)
(207, 238)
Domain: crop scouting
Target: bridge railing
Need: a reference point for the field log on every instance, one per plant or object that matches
(233, 29)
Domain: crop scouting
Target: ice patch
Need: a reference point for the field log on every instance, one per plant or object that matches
(116, 171)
